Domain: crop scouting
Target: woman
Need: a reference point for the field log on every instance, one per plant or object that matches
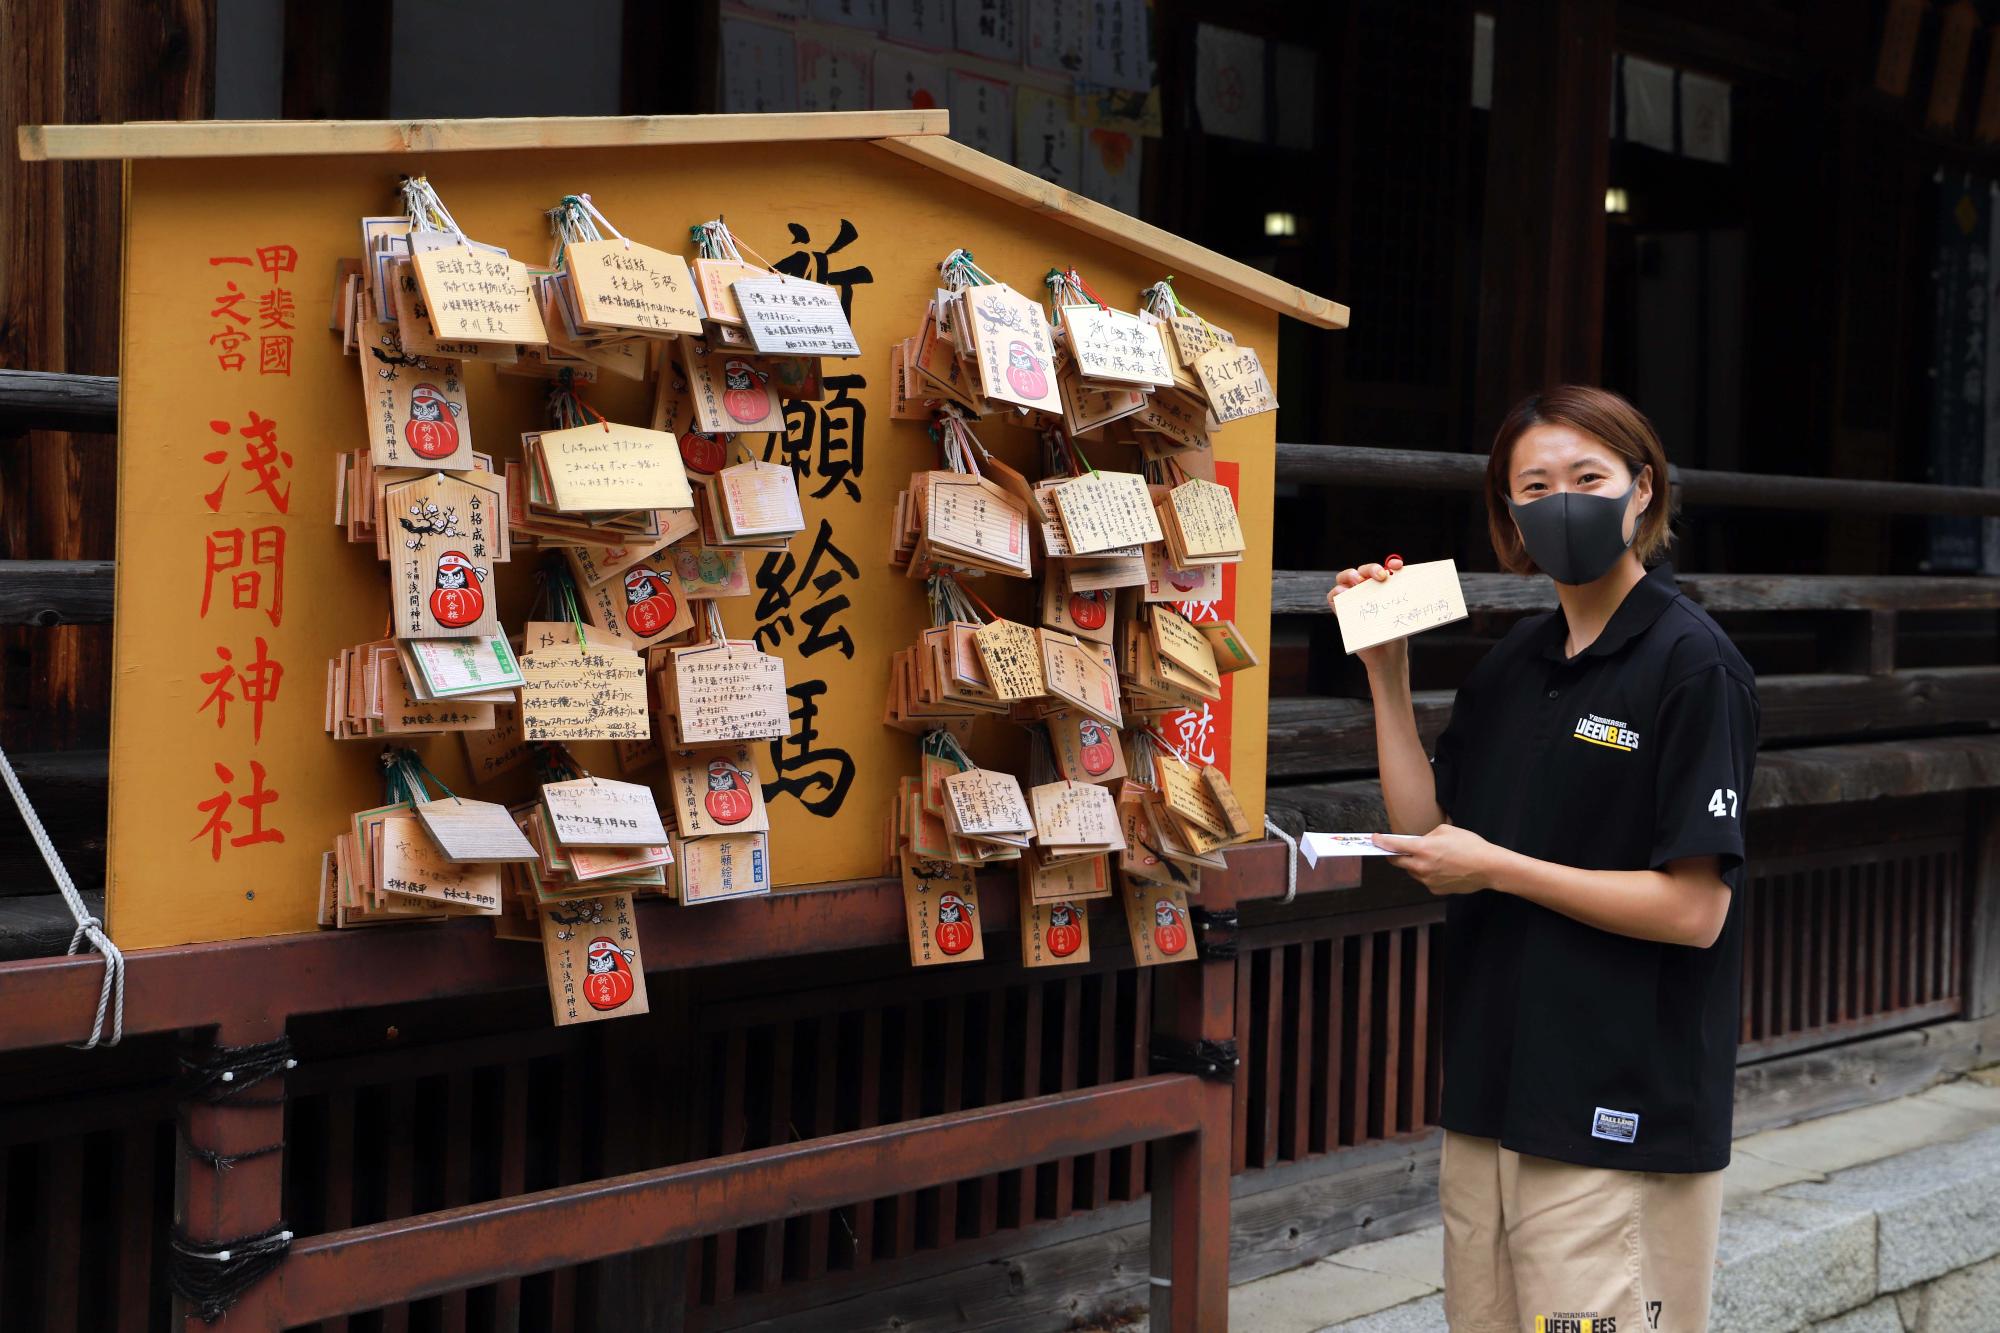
(1584, 814)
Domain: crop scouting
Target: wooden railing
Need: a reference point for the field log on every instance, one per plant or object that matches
(1416, 469)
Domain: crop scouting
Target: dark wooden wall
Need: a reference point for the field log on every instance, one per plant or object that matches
(108, 60)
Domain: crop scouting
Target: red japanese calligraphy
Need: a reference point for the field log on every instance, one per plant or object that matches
(264, 549)
(258, 682)
(229, 340)
(274, 354)
(217, 828)
(262, 461)
(276, 259)
(276, 309)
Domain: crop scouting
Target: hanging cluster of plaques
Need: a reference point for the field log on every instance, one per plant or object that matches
(970, 514)
(415, 857)
(641, 528)
(1127, 551)
(1164, 377)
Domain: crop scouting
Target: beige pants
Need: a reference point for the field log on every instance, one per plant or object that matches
(1535, 1246)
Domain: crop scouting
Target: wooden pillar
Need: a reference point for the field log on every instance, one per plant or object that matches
(1982, 920)
(215, 1204)
(59, 294)
(337, 60)
(1190, 1175)
(1541, 280)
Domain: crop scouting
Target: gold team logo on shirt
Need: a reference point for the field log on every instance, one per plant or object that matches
(1606, 731)
(1576, 1323)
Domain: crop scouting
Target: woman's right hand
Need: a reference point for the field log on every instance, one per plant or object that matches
(1393, 654)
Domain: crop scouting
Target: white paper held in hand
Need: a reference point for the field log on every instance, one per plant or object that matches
(1416, 597)
(1312, 846)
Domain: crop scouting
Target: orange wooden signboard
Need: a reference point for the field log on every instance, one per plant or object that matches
(235, 587)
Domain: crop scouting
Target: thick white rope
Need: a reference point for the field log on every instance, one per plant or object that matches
(111, 998)
(1291, 861)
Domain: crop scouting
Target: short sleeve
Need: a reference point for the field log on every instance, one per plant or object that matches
(1705, 740)
(1447, 753)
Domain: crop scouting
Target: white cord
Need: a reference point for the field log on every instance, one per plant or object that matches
(1291, 859)
(111, 998)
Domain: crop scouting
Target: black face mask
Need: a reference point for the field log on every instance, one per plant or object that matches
(1575, 537)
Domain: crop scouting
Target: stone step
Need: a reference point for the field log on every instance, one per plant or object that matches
(1880, 1220)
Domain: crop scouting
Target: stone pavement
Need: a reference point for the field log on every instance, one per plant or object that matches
(1884, 1219)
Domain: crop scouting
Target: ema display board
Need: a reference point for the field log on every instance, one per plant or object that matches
(235, 587)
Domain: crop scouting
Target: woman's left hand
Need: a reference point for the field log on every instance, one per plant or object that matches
(1448, 859)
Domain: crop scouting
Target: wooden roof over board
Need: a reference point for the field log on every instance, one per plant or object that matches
(916, 135)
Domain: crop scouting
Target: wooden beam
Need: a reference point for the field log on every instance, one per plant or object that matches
(1431, 470)
(55, 592)
(1318, 737)
(1302, 592)
(69, 790)
(267, 138)
(1179, 257)
(414, 1257)
(44, 400)
(1799, 1087)
(1785, 779)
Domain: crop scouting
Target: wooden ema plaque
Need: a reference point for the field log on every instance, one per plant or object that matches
(591, 950)
(201, 812)
(443, 539)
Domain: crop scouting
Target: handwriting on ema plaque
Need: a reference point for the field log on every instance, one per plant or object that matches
(1416, 597)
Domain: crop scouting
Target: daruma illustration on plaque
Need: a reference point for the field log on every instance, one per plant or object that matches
(728, 799)
(1064, 935)
(704, 453)
(649, 602)
(742, 395)
(1024, 371)
(1096, 753)
(432, 430)
(608, 981)
(457, 600)
(954, 924)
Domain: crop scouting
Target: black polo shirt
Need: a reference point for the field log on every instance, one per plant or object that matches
(1562, 1040)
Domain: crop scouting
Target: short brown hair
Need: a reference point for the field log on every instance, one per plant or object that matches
(1606, 418)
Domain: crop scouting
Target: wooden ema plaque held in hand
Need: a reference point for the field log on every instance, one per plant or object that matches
(1413, 599)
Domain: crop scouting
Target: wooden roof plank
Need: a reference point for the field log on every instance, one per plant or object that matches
(1179, 257)
(301, 138)
(918, 136)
